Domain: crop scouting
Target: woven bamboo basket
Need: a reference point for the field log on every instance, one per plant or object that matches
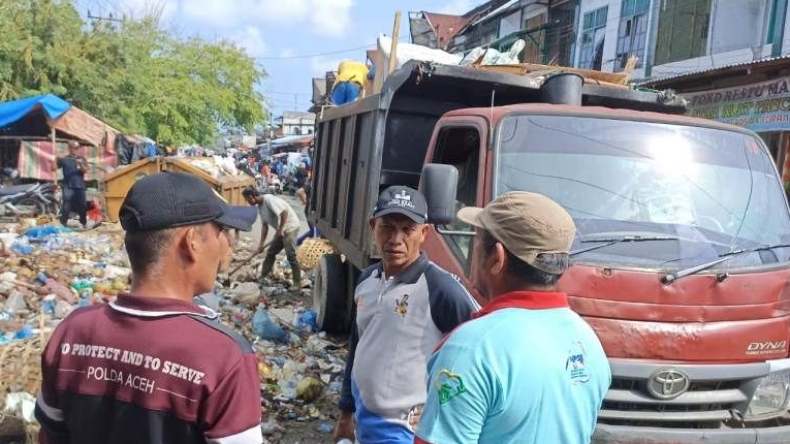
(20, 370)
(32, 433)
(311, 250)
(20, 366)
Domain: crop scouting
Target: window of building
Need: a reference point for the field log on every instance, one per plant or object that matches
(533, 51)
(561, 33)
(632, 34)
(593, 33)
(510, 24)
(682, 30)
(751, 19)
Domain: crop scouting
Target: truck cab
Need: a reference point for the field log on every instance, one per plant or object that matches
(682, 253)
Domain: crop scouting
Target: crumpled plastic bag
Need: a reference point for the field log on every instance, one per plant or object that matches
(21, 404)
(309, 389)
(246, 293)
(493, 57)
(114, 272)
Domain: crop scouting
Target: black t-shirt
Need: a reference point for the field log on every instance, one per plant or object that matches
(300, 178)
(72, 176)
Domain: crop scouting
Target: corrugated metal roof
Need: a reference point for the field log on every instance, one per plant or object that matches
(698, 72)
(446, 26)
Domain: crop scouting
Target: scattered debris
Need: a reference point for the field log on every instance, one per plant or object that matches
(48, 271)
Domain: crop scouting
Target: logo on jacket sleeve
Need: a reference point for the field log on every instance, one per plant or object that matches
(576, 364)
(449, 385)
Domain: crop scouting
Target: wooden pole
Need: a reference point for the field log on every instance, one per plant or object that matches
(394, 46)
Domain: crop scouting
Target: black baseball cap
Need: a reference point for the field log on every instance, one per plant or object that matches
(170, 200)
(402, 200)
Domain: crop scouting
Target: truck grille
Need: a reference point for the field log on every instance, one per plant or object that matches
(704, 405)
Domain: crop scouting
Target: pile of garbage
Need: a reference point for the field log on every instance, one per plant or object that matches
(301, 369)
(48, 271)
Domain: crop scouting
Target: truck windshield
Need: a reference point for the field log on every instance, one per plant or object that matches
(714, 191)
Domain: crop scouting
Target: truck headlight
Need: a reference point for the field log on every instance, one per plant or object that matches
(771, 397)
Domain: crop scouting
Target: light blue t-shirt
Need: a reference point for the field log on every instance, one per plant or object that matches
(516, 375)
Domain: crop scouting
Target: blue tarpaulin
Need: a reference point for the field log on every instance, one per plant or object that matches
(15, 110)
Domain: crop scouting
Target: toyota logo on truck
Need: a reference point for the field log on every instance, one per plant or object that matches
(668, 384)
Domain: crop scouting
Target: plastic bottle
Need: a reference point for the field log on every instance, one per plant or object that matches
(48, 304)
(62, 309)
(24, 333)
(345, 441)
(14, 303)
(21, 246)
(264, 327)
(81, 285)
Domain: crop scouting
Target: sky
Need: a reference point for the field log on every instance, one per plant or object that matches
(292, 40)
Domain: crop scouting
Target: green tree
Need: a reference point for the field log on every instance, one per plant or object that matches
(38, 40)
(133, 75)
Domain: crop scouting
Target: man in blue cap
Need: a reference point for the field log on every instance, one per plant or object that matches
(405, 304)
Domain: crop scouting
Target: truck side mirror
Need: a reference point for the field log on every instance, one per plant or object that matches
(439, 184)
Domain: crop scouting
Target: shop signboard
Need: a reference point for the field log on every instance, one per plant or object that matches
(760, 107)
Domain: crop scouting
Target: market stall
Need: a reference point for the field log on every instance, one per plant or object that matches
(35, 130)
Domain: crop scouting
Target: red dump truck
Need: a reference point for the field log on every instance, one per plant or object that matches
(682, 258)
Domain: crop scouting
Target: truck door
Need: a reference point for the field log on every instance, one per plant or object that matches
(460, 142)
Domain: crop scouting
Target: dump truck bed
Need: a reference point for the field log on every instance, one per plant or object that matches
(382, 140)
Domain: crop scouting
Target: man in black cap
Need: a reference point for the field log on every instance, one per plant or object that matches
(151, 367)
(405, 304)
(73, 184)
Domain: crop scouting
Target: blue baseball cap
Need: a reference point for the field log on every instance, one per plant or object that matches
(402, 200)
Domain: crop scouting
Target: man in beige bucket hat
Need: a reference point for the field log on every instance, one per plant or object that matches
(526, 369)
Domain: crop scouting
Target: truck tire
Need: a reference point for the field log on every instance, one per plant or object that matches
(331, 298)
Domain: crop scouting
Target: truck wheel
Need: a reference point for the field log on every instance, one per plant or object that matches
(331, 299)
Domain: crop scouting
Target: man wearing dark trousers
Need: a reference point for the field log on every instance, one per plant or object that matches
(151, 367)
(73, 186)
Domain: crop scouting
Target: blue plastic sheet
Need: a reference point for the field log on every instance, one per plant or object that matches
(39, 233)
(15, 110)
